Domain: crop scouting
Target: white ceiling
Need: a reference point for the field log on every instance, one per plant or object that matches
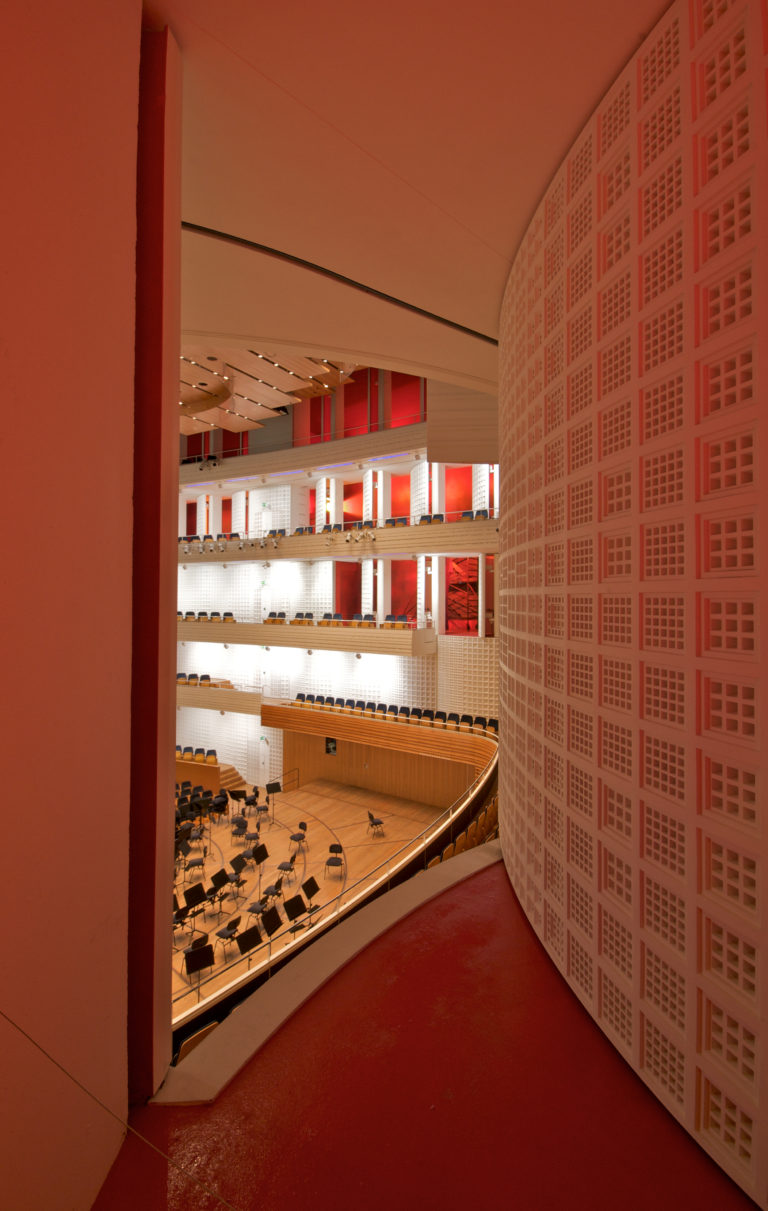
(404, 146)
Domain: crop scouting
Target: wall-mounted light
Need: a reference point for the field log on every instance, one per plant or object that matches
(226, 647)
(309, 651)
(357, 656)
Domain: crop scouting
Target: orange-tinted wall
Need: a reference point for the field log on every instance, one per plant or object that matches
(70, 89)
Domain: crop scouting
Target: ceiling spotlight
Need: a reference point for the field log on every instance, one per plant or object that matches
(309, 651)
(357, 656)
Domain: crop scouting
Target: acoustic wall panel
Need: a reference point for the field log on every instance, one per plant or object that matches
(631, 672)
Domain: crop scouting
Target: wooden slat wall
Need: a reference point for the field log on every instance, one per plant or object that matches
(467, 748)
(239, 701)
(368, 446)
(425, 779)
(462, 425)
(199, 774)
(282, 635)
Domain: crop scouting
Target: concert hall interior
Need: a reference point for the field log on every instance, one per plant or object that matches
(395, 384)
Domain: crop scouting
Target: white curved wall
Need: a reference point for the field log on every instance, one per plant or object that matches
(633, 340)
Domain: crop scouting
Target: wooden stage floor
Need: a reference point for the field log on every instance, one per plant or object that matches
(333, 813)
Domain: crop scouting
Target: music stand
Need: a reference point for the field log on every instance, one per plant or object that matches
(295, 908)
(271, 921)
(215, 893)
(260, 855)
(194, 898)
(197, 961)
(273, 788)
(310, 888)
(247, 940)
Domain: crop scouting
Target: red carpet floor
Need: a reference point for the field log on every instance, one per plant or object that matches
(445, 1067)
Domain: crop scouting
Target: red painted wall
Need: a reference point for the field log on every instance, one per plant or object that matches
(71, 86)
(356, 404)
(404, 572)
(191, 517)
(353, 502)
(406, 399)
(401, 495)
(348, 588)
(458, 489)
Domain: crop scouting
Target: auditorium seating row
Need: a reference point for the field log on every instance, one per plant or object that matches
(306, 618)
(336, 527)
(402, 714)
(483, 828)
(204, 616)
(201, 755)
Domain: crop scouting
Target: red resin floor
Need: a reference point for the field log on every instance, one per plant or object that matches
(445, 1067)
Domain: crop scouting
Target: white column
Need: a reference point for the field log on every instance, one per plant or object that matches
(202, 515)
(419, 490)
(384, 589)
(384, 490)
(238, 512)
(368, 489)
(214, 514)
(421, 576)
(321, 503)
(335, 501)
(438, 488)
(366, 586)
(496, 488)
(182, 517)
(481, 486)
(481, 596)
(438, 593)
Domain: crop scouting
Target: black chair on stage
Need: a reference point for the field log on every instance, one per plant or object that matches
(274, 891)
(286, 868)
(196, 864)
(238, 864)
(335, 859)
(375, 824)
(228, 932)
(239, 828)
(299, 838)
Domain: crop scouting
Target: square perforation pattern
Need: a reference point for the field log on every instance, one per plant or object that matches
(615, 117)
(634, 336)
(660, 61)
(729, 625)
(662, 407)
(616, 1009)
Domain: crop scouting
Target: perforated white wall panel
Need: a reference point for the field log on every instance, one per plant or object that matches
(633, 723)
(468, 675)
